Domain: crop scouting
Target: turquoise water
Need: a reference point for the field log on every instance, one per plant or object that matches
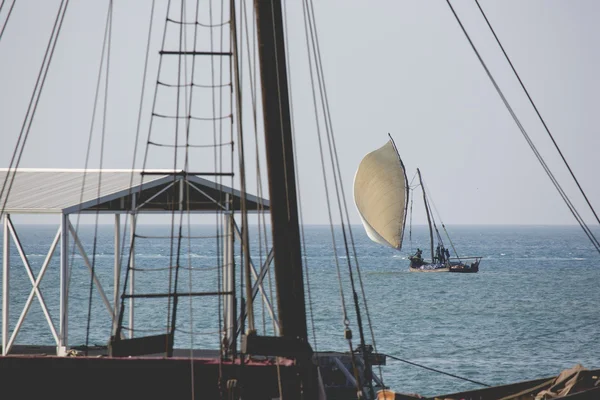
(531, 311)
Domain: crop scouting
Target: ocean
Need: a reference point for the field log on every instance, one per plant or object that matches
(530, 312)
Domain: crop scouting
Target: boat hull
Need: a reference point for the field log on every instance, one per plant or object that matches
(423, 268)
(418, 265)
(140, 378)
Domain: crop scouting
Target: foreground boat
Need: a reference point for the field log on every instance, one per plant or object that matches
(248, 363)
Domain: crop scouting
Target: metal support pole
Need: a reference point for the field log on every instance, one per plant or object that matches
(117, 272)
(5, 285)
(229, 283)
(64, 281)
(131, 272)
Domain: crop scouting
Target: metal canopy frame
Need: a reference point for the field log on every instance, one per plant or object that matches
(135, 199)
(70, 191)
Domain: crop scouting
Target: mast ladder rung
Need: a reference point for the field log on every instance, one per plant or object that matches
(195, 53)
(182, 294)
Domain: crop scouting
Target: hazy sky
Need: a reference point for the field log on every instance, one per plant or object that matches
(402, 67)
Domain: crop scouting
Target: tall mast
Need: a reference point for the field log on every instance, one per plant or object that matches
(280, 165)
(427, 211)
(283, 205)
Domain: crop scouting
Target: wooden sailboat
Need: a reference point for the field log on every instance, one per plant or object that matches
(440, 261)
(381, 193)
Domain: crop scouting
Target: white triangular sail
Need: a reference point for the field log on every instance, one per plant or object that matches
(381, 195)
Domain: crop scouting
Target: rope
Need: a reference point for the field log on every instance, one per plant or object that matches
(443, 226)
(245, 242)
(217, 160)
(436, 370)
(174, 85)
(204, 269)
(186, 166)
(33, 103)
(411, 213)
(177, 117)
(512, 338)
(107, 46)
(339, 191)
(7, 16)
(197, 23)
(190, 145)
(537, 111)
(90, 138)
(296, 167)
(144, 162)
(565, 198)
(185, 237)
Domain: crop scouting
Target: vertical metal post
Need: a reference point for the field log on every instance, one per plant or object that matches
(230, 328)
(117, 271)
(132, 271)
(5, 285)
(64, 281)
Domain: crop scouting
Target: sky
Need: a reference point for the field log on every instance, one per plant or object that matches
(390, 66)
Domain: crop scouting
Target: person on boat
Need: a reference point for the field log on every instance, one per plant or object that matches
(447, 255)
(438, 255)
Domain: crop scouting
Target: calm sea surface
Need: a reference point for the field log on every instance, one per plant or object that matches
(531, 311)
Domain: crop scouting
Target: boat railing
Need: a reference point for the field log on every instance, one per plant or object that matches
(476, 258)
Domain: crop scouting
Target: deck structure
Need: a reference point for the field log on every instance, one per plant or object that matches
(68, 192)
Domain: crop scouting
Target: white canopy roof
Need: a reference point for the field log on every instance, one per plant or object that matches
(69, 191)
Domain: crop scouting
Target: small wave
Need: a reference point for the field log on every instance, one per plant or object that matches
(550, 258)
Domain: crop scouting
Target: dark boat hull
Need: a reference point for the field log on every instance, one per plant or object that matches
(419, 265)
(464, 269)
(140, 378)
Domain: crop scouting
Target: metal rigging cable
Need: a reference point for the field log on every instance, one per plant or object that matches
(537, 111)
(564, 196)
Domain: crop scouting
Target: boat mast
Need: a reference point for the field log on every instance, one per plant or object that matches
(283, 204)
(280, 165)
(427, 211)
